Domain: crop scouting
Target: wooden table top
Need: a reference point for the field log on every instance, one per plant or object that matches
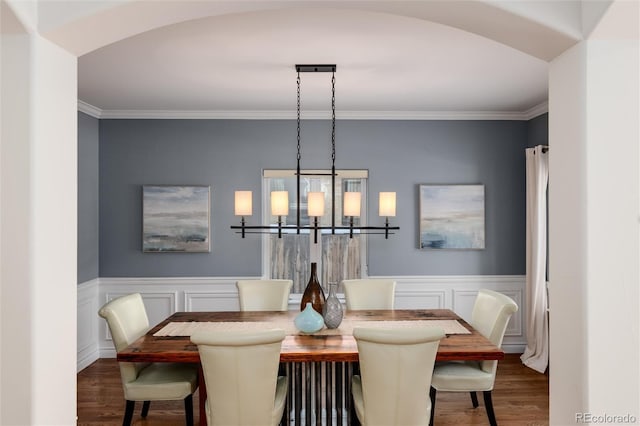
(305, 348)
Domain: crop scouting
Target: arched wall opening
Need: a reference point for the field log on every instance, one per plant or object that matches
(62, 35)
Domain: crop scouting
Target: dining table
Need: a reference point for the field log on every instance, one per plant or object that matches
(319, 365)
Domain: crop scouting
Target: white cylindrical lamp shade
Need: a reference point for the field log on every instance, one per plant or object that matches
(387, 204)
(279, 203)
(352, 204)
(315, 204)
(243, 205)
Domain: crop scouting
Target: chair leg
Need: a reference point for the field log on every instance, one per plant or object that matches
(474, 399)
(432, 397)
(488, 404)
(145, 409)
(128, 413)
(188, 409)
(352, 419)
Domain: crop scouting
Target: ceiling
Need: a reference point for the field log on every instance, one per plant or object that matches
(243, 65)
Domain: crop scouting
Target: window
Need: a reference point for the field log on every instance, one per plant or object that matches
(338, 256)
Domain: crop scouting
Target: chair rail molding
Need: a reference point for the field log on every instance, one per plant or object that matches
(164, 296)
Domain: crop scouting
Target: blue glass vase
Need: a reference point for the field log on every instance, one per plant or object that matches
(309, 321)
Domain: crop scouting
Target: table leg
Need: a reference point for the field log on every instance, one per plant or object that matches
(298, 389)
(307, 392)
(353, 368)
(338, 390)
(289, 403)
(202, 396)
(328, 385)
(318, 390)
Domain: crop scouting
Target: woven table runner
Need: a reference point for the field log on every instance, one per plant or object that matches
(345, 328)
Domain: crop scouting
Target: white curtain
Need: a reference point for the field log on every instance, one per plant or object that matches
(536, 354)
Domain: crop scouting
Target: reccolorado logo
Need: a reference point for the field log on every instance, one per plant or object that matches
(605, 418)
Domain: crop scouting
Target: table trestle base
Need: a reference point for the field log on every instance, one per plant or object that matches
(319, 393)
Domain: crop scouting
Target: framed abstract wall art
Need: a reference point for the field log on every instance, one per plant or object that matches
(175, 218)
(452, 217)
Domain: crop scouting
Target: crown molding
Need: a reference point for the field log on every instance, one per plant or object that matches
(89, 109)
(202, 115)
(537, 110)
(312, 115)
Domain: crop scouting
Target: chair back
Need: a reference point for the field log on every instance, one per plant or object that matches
(264, 295)
(372, 293)
(396, 366)
(490, 316)
(240, 371)
(127, 319)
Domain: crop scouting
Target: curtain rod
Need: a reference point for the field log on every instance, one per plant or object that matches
(545, 148)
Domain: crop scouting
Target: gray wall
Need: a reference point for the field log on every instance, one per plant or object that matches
(231, 154)
(538, 131)
(88, 137)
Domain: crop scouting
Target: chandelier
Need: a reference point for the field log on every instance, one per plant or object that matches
(315, 200)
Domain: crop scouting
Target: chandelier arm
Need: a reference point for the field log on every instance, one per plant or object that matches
(289, 229)
(311, 227)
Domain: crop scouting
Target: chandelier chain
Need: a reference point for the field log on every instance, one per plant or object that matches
(298, 83)
(333, 118)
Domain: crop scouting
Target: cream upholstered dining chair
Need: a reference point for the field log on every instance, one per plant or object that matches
(127, 320)
(264, 295)
(241, 374)
(395, 374)
(372, 293)
(490, 316)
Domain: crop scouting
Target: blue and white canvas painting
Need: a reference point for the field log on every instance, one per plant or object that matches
(175, 218)
(452, 216)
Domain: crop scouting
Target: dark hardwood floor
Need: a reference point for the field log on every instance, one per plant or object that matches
(520, 398)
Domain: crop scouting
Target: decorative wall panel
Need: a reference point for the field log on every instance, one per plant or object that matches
(164, 296)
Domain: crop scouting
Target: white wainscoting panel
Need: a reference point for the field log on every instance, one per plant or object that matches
(87, 334)
(165, 296)
(223, 300)
(458, 293)
(463, 301)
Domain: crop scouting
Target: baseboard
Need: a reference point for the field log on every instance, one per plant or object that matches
(107, 353)
(513, 349)
(90, 358)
